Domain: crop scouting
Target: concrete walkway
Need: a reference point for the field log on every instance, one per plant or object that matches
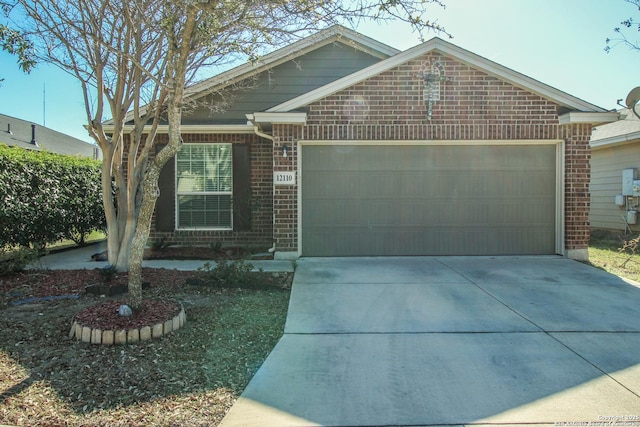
(80, 259)
(451, 341)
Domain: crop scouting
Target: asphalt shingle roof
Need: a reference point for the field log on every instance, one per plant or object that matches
(18, 133)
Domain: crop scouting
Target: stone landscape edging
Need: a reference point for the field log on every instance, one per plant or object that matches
(127, 336)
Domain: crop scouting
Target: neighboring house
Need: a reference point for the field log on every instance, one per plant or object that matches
(338, 145)
(25, 134)
(615, 151)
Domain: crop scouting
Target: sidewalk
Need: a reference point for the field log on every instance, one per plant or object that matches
(80, 259)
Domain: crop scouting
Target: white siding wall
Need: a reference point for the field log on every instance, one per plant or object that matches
(606, 182)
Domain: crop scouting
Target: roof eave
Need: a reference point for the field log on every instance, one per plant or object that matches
(617, 140)
(284, 118)
(594, 118)
(195, 129)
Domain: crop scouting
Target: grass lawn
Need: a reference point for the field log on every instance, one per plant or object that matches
(604, 252)
(94, 236)
(190, 377)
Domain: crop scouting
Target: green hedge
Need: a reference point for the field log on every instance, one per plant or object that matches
(46, 197)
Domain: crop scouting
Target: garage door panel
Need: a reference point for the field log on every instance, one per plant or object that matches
(428, 200)
(345, 213)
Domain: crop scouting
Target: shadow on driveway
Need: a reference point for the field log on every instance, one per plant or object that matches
(450, 341)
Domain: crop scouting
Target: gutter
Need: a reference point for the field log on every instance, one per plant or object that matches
(615, 140)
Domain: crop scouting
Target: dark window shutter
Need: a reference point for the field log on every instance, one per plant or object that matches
(241, 187)
(165, 205)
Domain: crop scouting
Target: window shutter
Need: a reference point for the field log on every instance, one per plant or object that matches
(165, 205)
(241, 187)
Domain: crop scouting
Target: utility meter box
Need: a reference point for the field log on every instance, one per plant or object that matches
(628, 176)
(636, 188)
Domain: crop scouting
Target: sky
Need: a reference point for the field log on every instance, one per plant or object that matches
(557, 42)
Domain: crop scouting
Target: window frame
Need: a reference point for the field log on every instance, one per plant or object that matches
(179, 193)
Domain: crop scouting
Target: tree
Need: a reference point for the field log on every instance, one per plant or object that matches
(621, 31)
(134, 59)
(15, 43)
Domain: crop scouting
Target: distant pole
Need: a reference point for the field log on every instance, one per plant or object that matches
(44, 102)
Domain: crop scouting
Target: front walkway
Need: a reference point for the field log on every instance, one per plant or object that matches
(80, 259)
(450, 341)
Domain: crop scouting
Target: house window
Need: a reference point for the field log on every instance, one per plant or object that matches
(204, 174)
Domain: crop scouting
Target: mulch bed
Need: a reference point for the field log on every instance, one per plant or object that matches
(105, 316)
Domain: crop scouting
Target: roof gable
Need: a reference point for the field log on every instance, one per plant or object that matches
(334, 34)
(448, 49)
(278, 84)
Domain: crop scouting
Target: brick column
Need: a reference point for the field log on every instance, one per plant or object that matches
(577, 199)
(285, 197)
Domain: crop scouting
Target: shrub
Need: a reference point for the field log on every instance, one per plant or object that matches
(45, 197)
(233, 274)
(15, 261)
(227, 274)
(159, 244)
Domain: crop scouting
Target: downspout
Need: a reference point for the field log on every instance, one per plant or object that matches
(260, 133)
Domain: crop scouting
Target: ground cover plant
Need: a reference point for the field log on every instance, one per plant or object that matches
(190, 377)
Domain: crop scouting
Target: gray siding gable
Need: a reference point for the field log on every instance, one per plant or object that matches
(285, 81)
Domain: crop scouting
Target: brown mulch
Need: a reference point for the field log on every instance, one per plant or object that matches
(44, 286)
(106, 317)
(189, 377)
(47, 283)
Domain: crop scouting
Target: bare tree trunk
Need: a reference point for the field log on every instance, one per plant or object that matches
(141, 235)
(178, 57)
(150, 193)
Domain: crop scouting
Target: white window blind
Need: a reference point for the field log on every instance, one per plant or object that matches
(204, 174)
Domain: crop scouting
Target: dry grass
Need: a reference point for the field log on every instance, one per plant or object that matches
(605, 252)
(188, 378)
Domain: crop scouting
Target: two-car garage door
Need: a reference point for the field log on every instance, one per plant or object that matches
(370, 200)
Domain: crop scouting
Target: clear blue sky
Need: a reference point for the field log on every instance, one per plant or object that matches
(558, 42)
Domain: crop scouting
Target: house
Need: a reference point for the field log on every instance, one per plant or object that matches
(615, 162)
(24, 134)
(338, 145)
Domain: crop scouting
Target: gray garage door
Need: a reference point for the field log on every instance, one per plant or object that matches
(428, 200)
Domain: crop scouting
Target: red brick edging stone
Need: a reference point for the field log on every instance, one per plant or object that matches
(124, 336)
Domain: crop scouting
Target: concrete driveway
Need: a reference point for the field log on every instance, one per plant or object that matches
(451, 341)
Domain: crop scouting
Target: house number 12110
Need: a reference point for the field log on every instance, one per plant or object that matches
(284, 178)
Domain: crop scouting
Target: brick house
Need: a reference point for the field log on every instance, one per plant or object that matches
(338, 145)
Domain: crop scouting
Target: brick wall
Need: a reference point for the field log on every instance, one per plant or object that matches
(261, 233)
(576, 186)
(472, 106)
(285, 207)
